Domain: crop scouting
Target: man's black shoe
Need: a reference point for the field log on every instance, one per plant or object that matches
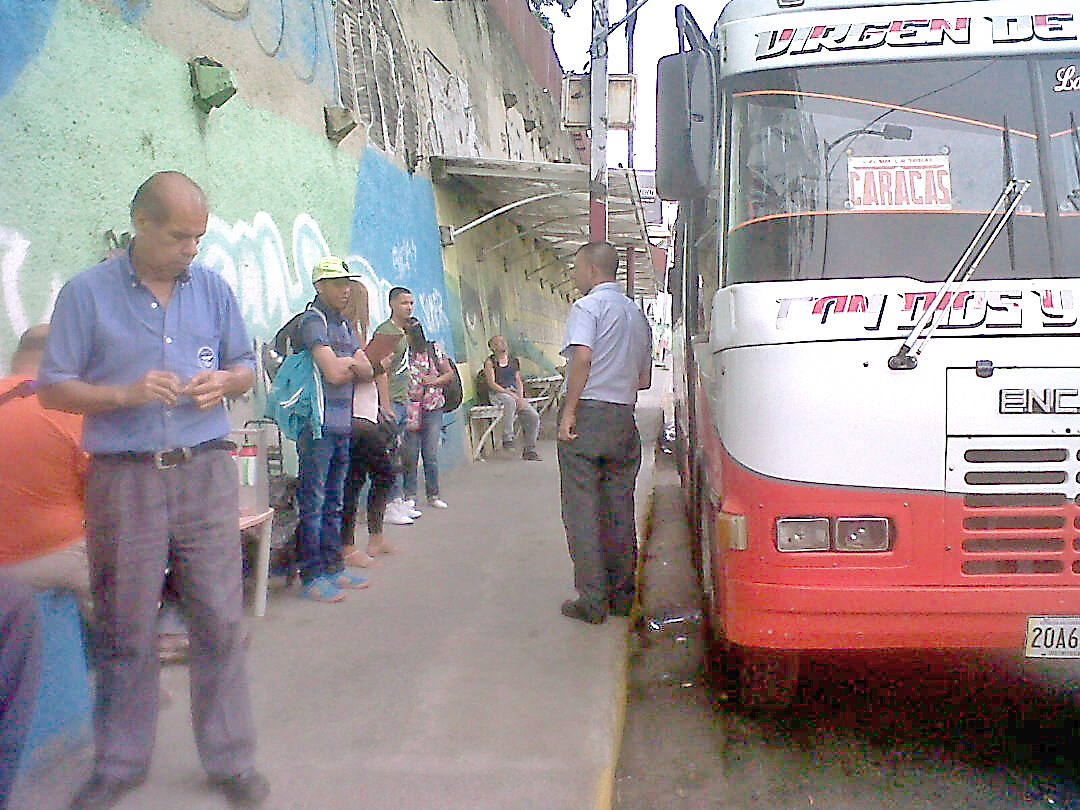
(247, 789)
(531, 455)
(102, 791)
(621, 605)
(576, 610)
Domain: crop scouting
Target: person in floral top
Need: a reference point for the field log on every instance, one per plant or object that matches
(429, 371)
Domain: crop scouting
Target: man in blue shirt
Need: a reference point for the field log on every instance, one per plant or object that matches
(324, 459)
(147, 345)
(608, 345)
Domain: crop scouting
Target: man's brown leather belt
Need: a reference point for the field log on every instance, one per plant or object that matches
(167, 459)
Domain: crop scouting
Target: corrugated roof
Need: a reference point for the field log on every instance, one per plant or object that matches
(549, 202)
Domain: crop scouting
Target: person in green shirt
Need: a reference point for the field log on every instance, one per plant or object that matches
(394, 392)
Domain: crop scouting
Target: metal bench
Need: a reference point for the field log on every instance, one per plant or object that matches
(477, 415)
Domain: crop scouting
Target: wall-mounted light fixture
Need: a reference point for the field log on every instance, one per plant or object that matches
(116, 241)
(211, 83)
(530, 124)
(509, 99)
(339, 122)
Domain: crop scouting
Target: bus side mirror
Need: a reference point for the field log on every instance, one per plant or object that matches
(685, 125)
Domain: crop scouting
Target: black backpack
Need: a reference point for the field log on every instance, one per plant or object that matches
(483, 394)
(284, 342)
(452, 391)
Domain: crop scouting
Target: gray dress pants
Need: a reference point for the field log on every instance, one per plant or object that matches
(597, 472)
(139, 520)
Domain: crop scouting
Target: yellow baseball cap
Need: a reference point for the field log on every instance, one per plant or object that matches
(331, 267)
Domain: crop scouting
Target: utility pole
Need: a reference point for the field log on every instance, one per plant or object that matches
(631, 24)
(598, 119)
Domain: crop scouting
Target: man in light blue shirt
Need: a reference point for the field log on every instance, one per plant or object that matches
(608, 345)
(147, 345)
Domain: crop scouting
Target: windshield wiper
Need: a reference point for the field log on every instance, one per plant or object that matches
(1008, 170)
(907, 356)
(1074, 195)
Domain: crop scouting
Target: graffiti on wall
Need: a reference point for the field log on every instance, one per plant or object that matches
(14, 248)
(25, 26)
(452, 129)
(252, 258)
(271, 282)
(403, 249)
(297, 32)
(270, 287)
(376, 76)
(354, 51)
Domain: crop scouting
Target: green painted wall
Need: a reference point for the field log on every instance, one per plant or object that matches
(95, 97)
(74, 151)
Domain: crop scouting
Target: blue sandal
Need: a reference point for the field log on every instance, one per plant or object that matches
(347, 579)
(322, 589)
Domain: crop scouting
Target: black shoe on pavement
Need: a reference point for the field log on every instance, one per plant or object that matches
(574, 609)
(247, 789)
(102, 791)
(530, 455)
(621, 605)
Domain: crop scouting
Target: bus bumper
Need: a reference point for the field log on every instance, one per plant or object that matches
(790, 617)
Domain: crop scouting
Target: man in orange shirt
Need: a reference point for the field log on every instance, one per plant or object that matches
(42, 467)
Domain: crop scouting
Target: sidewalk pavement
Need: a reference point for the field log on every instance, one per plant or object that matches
(452, 682)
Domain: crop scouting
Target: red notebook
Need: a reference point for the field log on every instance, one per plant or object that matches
(381, 346)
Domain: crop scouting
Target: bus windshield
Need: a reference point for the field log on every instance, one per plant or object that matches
(889, 169)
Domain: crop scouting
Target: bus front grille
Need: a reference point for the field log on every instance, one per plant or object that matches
(1014, 508)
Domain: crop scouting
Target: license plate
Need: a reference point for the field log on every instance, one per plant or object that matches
(1053, 637)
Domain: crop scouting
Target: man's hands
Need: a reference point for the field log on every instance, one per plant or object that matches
(153, 386)
(568, 425)
(206, 389)
(577, 374)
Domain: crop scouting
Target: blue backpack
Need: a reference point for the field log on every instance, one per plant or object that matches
(295, 400)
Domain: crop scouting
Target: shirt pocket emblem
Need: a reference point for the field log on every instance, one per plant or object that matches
(207, 357)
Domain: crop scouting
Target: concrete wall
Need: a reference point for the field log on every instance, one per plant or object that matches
(95, 96)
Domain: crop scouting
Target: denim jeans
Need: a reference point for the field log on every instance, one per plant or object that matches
(324, 463)
(401, 411)
(526, 416)
(424, 441)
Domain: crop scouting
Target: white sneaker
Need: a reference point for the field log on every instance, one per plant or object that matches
(408, 507)
(394, 515)
(438, 503)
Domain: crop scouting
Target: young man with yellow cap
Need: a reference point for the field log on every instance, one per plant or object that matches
(324, 455)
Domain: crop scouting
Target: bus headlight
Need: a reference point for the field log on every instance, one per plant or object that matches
(802, 534)
(862, 534)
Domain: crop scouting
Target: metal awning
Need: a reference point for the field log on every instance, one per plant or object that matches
(549, 202)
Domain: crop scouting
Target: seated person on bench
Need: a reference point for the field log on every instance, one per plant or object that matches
(503, 374)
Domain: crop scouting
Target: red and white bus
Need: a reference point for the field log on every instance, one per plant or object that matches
(876, 315)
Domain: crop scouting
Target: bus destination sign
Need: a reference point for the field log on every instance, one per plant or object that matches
(899, 183)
